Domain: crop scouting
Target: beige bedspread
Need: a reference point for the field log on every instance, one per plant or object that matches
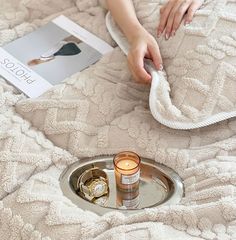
(102, 111)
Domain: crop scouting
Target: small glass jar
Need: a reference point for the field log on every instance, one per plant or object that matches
(127, 171)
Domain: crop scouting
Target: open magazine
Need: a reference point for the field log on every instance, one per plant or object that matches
(47, 56)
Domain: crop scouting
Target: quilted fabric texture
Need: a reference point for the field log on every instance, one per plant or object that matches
(23, 150)
(102, 111)
(200, 82)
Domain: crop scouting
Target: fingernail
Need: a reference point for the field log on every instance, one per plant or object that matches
(186, 23)
(159, 33)
(172, 33)
(167, 36)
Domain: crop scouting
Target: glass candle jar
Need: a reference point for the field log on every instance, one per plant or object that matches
(127, 171)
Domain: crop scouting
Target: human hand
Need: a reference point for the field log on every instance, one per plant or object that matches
(172, 14)
(143, 45)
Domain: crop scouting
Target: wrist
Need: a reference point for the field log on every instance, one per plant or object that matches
(134, 32)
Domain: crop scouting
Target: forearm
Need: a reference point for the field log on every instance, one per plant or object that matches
(124, 15)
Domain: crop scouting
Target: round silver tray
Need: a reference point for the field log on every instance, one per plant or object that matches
(159, 185)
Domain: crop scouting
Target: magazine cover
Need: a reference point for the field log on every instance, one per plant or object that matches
(47, 56)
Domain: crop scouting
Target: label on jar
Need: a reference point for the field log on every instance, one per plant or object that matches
(130, 179)
(131, 203)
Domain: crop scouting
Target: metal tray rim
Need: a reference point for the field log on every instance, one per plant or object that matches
(69, 193)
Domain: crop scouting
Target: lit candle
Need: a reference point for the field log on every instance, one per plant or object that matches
(127, 170)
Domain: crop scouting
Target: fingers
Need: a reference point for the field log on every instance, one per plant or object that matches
(170, 30)
(191, 11)
(165, 12)
(173, 14)
(136, 60)
(137, 78)
(136, 65)
(179, 16)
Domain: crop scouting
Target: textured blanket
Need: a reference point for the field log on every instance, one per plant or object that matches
(102, 111)
(199, 86)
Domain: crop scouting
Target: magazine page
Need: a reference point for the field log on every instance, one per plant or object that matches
(47, 56)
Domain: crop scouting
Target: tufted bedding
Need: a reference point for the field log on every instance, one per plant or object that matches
(198, 88)
(102, 111)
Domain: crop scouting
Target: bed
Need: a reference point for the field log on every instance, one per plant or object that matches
(101, 111)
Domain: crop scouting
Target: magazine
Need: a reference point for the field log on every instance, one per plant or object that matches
(47, 56)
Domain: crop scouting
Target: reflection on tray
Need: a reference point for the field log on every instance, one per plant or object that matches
(127, 200)
(102, 201)
(124, 200)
